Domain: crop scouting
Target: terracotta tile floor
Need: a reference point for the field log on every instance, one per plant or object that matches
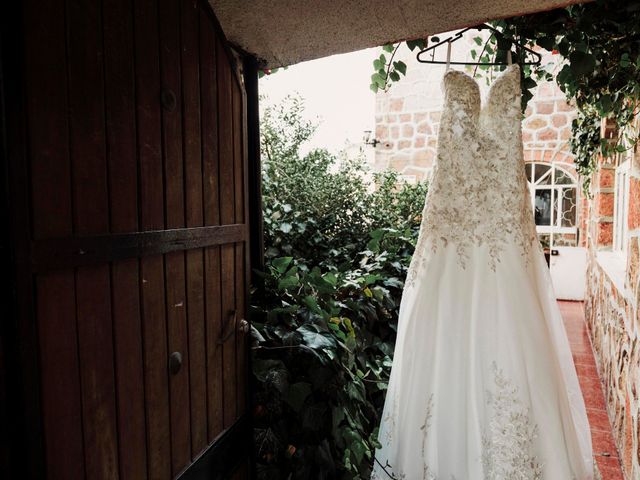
(604, 447)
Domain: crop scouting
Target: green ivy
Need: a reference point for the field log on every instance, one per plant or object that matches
(388, 71)
(585, 142)
(599, 46)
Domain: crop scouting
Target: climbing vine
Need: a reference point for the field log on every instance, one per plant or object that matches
(599, 46)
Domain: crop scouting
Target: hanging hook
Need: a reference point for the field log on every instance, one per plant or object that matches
(521, 49)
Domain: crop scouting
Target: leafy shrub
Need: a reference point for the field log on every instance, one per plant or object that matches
(325, 316)
(320, 210)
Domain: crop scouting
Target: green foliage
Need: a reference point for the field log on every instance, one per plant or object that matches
(599, 47)
(318, 209)
(585, 142)
(324, 320)
(599, 43)
(389, 71)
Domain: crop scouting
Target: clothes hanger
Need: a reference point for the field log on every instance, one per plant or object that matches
(454, 38)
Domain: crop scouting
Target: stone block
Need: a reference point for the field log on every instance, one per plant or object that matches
(382, 132)
(396, 104)
(544, 108)
(419, 141)
(399, 162)
(419, 173)
(420, 116)
(545, 90)
(605, 203)
(425, 128)
(606, 178)
(546, 134)
(535, 123)
(628, 451)
(633, 260)
(563, 106)
(394, 132)
(605, 234)
(634, 203)
(404, 117)
(527, 136)
(559, 120)
(404, 143)
(423, 159)
(407, 130)
(381, 162)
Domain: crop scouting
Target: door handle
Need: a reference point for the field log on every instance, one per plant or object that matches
(555, 252)
(175, 362)
(229, 328)
(244, 326)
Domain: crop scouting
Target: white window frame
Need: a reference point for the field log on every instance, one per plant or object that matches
(555, 189)
(621, 208)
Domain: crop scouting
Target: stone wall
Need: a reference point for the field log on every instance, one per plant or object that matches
(408, 116)
(611, 306)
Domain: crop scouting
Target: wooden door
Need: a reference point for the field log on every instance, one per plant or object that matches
(127, 165)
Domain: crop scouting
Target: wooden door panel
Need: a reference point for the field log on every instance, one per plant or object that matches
(193, 178)
(126, 307)
(60, 375)
(178, 345)
(128, 350)
(212, 281)
(93, 306)
(197, 350)
(241, 338)
(137, 180)
(156, 381)
(228, 347)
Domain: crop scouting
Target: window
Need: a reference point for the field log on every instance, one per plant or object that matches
(621, 207)
(554, 196)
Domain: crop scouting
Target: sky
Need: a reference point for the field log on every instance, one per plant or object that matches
(336, 92)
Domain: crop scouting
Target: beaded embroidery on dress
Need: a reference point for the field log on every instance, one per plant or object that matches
(483, 385)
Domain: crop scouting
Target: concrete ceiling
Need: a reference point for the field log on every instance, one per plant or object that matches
(284, 32)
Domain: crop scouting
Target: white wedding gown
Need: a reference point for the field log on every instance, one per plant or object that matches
(483, 385)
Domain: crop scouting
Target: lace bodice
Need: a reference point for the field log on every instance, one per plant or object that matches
(478, 194)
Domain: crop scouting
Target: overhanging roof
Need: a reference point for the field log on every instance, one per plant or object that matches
(284, 32)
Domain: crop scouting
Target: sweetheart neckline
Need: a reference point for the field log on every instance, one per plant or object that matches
(483, 103)
(513, 66)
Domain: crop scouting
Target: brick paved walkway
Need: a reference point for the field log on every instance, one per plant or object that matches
(604, 447)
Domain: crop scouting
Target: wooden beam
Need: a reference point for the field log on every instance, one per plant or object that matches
(67, 253)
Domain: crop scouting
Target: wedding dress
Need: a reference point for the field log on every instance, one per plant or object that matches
(483, 385)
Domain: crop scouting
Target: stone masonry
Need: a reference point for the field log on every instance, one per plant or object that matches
(612, 305)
